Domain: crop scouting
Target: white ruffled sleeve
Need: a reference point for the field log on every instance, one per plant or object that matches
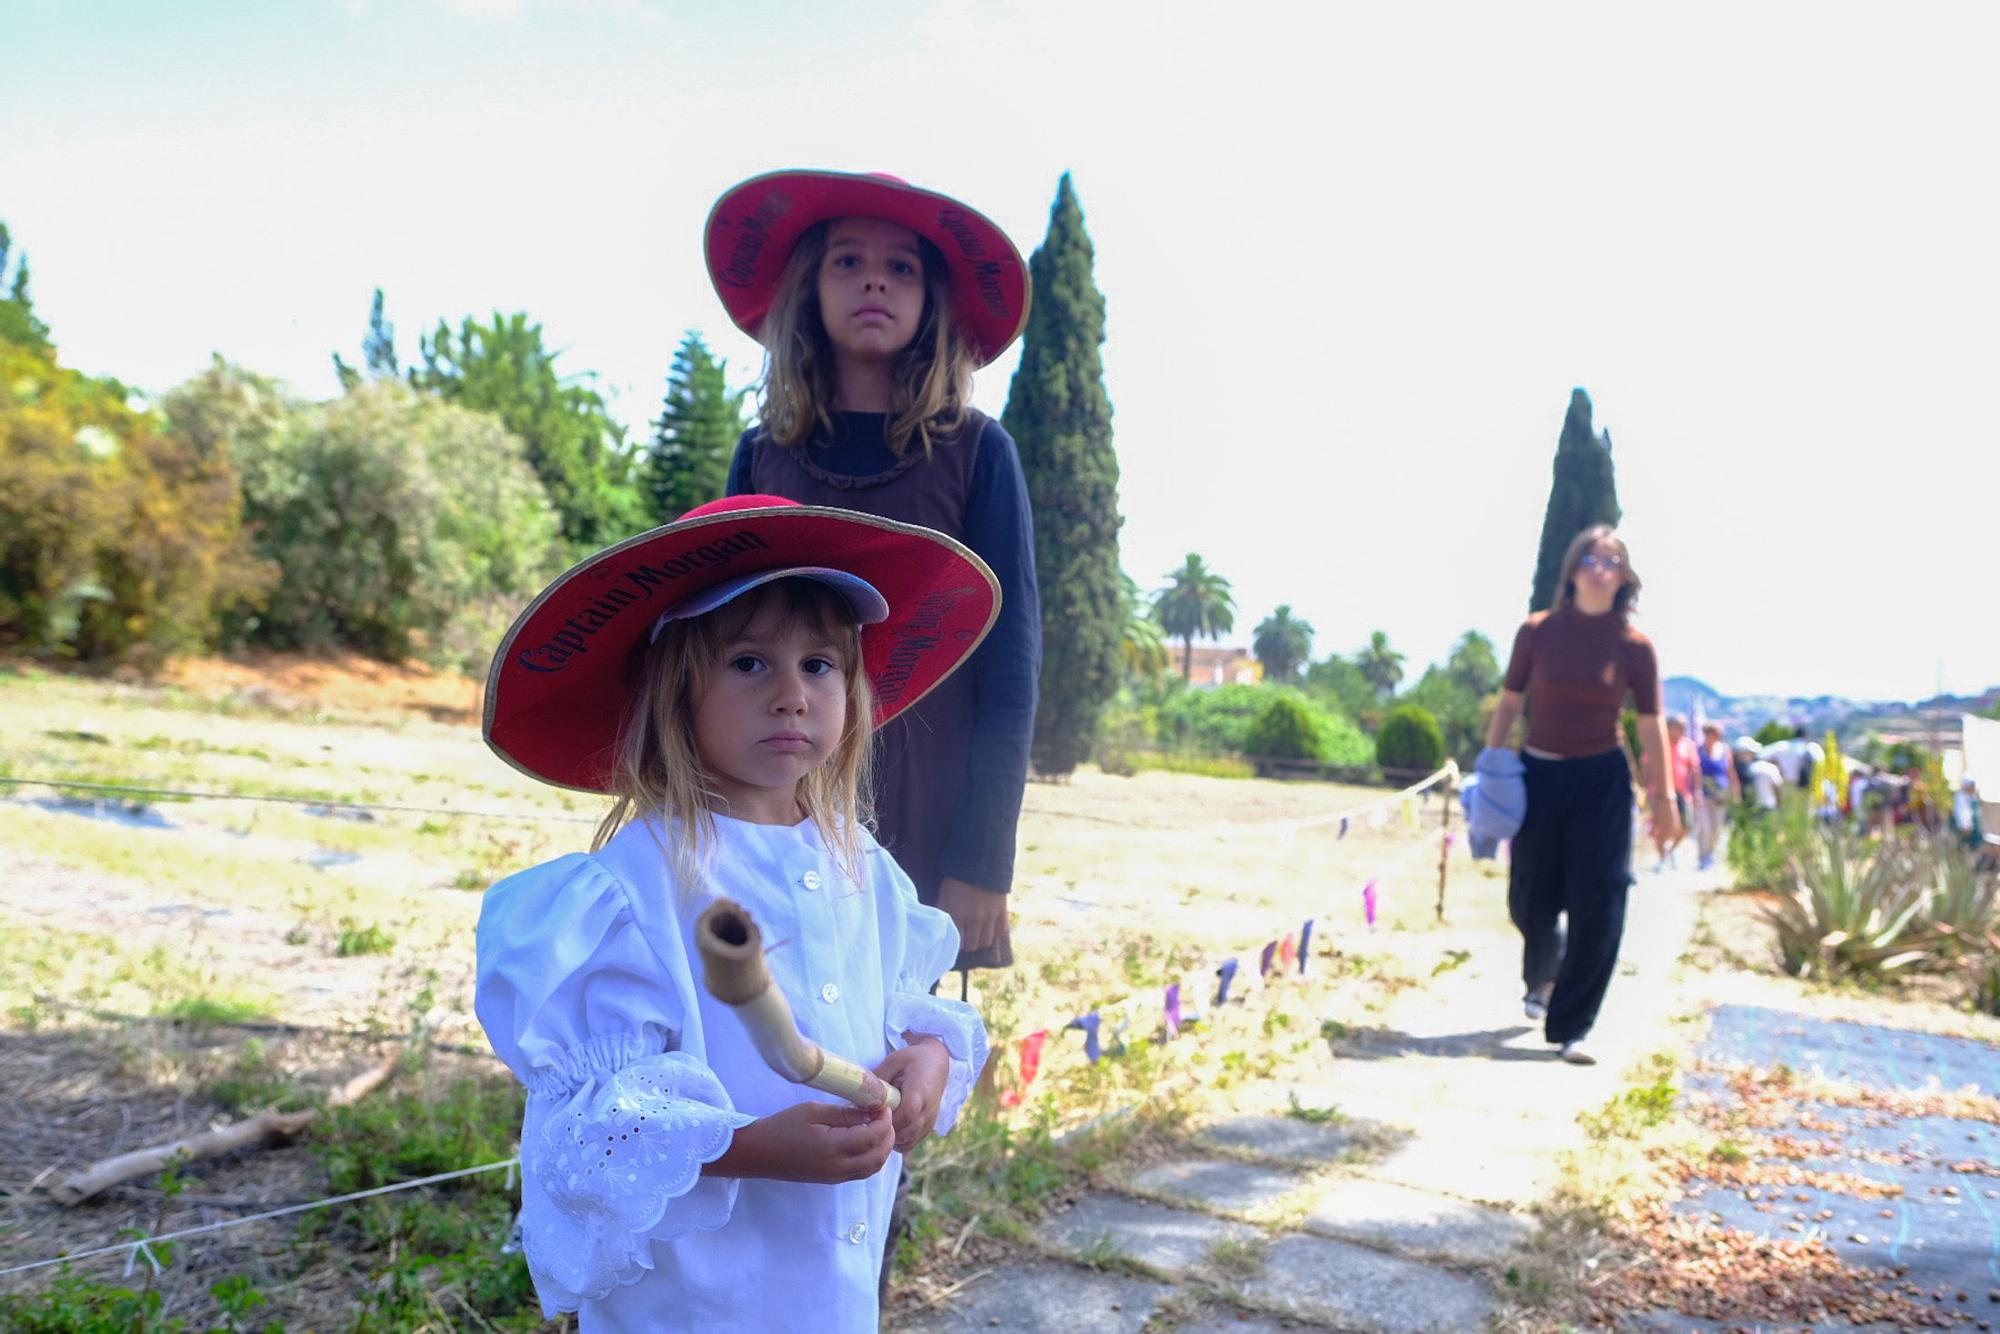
(930, 944)
(620, 1120)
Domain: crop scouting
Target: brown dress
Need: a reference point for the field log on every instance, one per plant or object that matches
(922, 754)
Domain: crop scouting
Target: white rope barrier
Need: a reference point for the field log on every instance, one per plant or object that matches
(114, 790)
(140, 1248)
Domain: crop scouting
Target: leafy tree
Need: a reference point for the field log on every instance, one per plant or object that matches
(688, 463)
(402, 525)
(1380, 664)
(1060, 417)
(1410, 739)
(1283, 643)
(1144, 646)
(1461, 714)
(1338, 682)
(117, 537)
(1196, 601)
(572, 443)
(1472, 664)
(1583, 491)
(18, 323)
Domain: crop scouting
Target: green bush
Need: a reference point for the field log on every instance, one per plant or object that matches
(1763, 843)
(1211, 722)
(1221, 722)
(402, 524)
(1410, 739)
(1285, 730)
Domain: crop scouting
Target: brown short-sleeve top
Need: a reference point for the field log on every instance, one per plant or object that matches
(1576, 671)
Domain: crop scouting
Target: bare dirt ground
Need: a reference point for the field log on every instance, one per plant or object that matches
(298, 929)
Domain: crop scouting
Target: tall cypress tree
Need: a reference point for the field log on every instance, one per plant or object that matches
(1584, 491)
(1059, 415)
(687, 463)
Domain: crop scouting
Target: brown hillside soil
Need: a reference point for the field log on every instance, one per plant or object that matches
(333, 683)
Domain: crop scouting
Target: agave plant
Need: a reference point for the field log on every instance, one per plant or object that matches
(1852, 906)
(1961, 897)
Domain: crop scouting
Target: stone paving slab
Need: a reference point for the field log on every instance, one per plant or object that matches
(1219, 1183)
(1288, 1137)
(1352, 1287)
(1417, 1222)
(1046, 1296)
(1236, 1323)
(1496, 1174)
(1168, 1240)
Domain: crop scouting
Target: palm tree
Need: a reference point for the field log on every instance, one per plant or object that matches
(1382, 665)
(1145, 643)
(1195, 602)
(1283, 644)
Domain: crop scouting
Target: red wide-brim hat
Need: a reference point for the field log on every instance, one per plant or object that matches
(752, 229)
(557, 691)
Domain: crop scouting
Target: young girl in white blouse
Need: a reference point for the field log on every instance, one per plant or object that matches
(721, 678)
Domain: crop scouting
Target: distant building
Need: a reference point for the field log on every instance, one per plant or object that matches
(1213, 666)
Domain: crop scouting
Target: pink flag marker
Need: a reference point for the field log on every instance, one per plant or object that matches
(1368, 902)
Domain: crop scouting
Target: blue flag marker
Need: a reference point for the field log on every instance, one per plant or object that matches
(1088, 1023)
(1343, 826)
(1228, 974)
(1305, 942)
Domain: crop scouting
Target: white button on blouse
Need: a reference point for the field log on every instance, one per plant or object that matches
(810, 879)
(829, 993)
(858, 1233)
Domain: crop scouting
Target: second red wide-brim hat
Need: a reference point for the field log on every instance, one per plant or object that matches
(753, 227)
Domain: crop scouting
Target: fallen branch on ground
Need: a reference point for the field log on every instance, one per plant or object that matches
(264, 1128)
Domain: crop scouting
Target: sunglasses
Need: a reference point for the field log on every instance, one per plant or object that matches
(1593, 561)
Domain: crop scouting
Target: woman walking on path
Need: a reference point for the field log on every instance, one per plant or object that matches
(1574, 667)
(875, 301)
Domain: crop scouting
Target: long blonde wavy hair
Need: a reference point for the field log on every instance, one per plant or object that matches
(932, 377)
(658, 770)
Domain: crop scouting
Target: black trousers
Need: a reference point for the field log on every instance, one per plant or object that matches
(1572, 862)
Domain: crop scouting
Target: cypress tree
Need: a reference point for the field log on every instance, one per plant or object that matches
(1584, 491)
(688, 461)
(1059, 415)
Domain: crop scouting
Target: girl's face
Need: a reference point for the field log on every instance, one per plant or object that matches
(871, 288)
(773, 709)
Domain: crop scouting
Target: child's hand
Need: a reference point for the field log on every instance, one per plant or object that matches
(920, 1071)
(820, 1143)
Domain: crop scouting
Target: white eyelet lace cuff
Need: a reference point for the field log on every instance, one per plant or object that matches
(958, 1027)
(614, 1165)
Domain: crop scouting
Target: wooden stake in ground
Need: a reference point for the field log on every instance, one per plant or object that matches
(264, 1128)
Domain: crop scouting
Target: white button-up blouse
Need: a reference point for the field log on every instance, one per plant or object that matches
(588, 989)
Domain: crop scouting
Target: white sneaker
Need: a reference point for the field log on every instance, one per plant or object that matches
(1574, 1053)
(1534, 1007)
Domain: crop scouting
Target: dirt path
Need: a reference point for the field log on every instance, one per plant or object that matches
(1401, 1204)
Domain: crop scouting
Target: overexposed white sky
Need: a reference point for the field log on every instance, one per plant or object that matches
(1355, 259)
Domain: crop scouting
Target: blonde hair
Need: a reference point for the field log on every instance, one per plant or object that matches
(930, 383)
(657, 768)
(1627, 600)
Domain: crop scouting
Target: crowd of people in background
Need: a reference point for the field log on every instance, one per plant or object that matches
(1716, 776)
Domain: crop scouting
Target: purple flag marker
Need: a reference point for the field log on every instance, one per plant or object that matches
(1305, 943)
(1174, 1010)
(1264, 959)
(1088, 1023)
(1228, 974)
(1368, 902)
